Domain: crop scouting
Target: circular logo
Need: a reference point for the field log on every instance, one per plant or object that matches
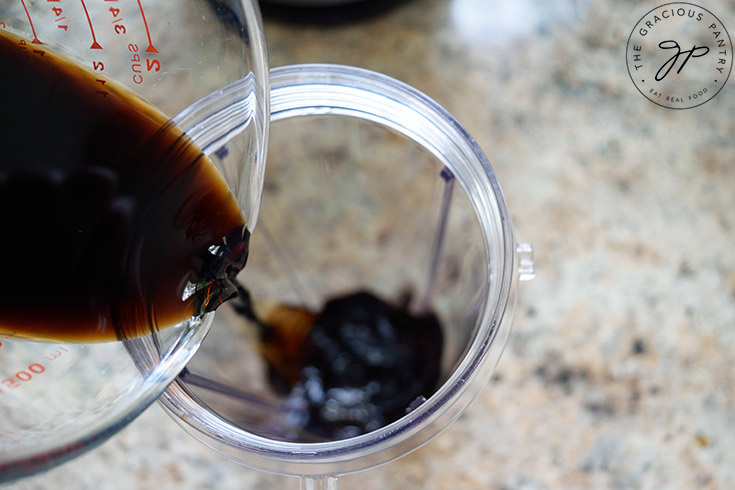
(679, 55)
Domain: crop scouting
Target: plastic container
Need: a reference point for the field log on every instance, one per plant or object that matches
(369, 185)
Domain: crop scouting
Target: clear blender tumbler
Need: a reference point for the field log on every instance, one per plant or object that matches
(201, 62)
(370, 185)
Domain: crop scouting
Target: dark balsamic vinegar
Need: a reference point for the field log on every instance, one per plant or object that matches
(356, 365)
(112, 222)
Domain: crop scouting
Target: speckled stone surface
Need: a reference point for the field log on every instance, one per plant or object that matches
(620, 369)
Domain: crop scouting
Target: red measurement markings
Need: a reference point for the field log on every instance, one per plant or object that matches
(52, 356)
(100, 66)
(102, 82)
(150, 48)
(22, 376)
(136, 61)
(95, 44)
(117, 19)
(30, 372)
(30, 21)
(23, 46)
(59, 12)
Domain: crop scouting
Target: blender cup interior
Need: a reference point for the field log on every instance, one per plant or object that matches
(370, 186)
(363, 210)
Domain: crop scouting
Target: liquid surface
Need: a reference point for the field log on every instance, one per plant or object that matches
(114, 223)
(355, 366)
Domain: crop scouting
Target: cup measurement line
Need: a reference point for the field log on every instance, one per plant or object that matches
(95, 44)
(150, 48)
(30, 21)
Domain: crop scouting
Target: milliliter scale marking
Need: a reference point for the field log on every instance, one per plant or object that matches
(30, 372)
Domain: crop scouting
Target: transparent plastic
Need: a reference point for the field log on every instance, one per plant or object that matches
(369, 185)
(202, 60)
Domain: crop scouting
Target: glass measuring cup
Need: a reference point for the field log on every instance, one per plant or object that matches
(370, 185)
(202, 60)
(171, 53)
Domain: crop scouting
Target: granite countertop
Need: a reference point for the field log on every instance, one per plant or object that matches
(619, 370)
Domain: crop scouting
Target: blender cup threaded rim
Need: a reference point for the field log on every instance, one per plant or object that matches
(325, 89)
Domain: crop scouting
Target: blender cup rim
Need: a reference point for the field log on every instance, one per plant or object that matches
(314, 89)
